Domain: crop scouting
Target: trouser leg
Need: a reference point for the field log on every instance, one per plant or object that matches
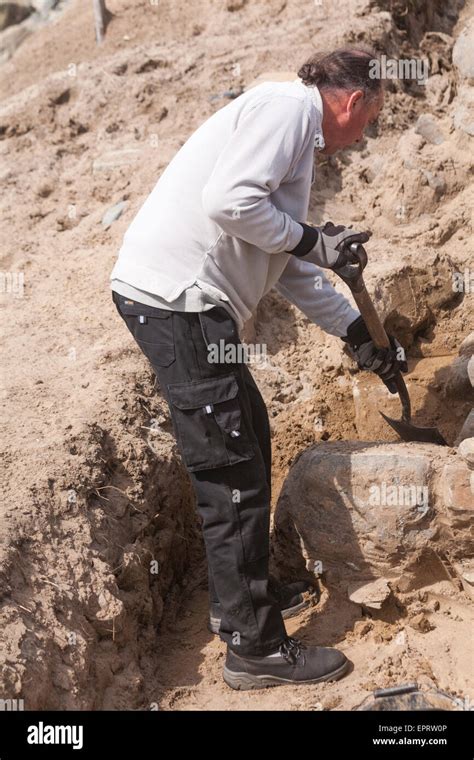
(261, 426)
(217, 415)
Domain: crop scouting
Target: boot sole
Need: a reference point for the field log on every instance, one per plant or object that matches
(214, 624)
(246, 681)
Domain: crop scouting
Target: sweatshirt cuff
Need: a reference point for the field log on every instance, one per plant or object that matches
(307, 242)
(357, 333)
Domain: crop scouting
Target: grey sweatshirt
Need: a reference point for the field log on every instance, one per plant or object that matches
(218, 225)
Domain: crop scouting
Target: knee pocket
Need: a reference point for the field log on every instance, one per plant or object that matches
(209, 423)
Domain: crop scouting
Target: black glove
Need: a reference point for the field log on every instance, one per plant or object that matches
(328, 246)
(385, 362)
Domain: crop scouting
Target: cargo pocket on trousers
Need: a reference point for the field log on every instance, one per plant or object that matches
(152, 329)
(209, 423)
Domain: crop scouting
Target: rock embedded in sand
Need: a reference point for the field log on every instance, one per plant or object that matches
(467, 430)
(465, 571)
(467, 346)
(463, 60)
(463, 53)
(463, 117)
(368, 511)
(466, 450)
(427, 128)
(113, 213)
(116, 158)
(421, 623)
(235, 5)
(456, 491)
(371, 594)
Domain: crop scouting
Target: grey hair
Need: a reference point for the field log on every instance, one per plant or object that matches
(343, 69)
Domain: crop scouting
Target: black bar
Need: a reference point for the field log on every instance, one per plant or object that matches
(135, 734)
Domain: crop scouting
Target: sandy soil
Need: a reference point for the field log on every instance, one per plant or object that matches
(94, 488)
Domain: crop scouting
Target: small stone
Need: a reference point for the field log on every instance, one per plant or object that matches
(428, 129)
(466, 450)
(113, 213)
(465, 570)
(329, 702)
(425, 681)
(436, 182)
(44, 190)
(235, 5)
(361, 627)
(116, 158)
(120, 69)
(62, 680)
(401, 638)
(421, 623)
(372, 594)
(231, 94)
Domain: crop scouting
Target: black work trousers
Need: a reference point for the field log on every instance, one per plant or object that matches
(222, 430)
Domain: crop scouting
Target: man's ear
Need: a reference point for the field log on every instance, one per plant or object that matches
(355, 98)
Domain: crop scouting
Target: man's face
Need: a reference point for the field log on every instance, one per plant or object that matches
(346, 116)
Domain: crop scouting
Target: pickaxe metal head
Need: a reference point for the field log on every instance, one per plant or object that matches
(409, 432)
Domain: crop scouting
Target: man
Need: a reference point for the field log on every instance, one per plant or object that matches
(223, 225)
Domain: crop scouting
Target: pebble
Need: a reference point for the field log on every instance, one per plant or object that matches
(113, 213)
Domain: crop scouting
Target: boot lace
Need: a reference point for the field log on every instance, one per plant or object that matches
(290, 649)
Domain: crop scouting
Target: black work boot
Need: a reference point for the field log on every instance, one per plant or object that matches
(292, 664)
(289, 597)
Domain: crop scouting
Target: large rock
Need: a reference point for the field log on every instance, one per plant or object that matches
(362, 511)
(458, 381)
(463, 53)
(467, 346)
(463, 59)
